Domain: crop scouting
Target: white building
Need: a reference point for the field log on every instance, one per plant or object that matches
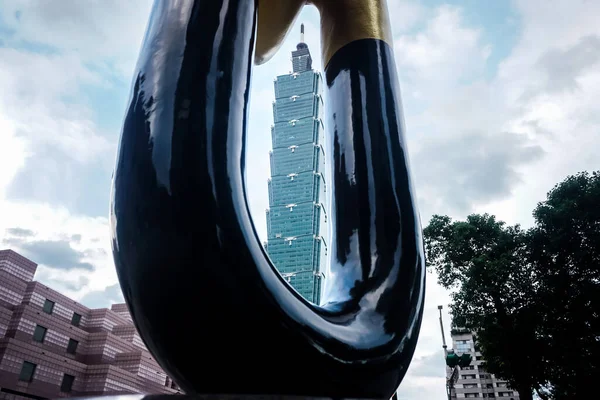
(474, 381)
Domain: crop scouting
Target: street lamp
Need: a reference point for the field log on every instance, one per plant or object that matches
(453, 360)
(443, 335)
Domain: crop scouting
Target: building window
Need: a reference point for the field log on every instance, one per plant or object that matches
(67, 383)
(76, 319)
(463, 346)
(72, 346)
(471, 395)
(470, 385)
(48, 306)
(27, 371)
(39, 334)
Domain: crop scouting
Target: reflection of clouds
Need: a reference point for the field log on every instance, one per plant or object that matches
(367, 329)
(341, 278)
(369, 318)
(161, 75)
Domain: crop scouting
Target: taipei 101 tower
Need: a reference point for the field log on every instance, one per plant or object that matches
(297, 216)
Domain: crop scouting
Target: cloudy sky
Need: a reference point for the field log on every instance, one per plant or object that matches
(500, 99)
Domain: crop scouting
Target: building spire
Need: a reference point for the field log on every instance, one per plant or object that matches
(301, 59)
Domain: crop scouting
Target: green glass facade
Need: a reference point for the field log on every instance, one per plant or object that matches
(296, 218)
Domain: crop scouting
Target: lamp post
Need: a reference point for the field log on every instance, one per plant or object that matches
(453, 360)
(443, 335)
(450, 380)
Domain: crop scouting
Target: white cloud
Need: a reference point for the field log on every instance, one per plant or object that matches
(444, 52)
(13, 152)
(44, 129)
(58, 224)
(404, 15)
(106, 32)
(568, 21)
(37, 107)
(47, 130)
(550, 85)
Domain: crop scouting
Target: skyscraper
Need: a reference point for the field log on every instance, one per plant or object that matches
(296, 218)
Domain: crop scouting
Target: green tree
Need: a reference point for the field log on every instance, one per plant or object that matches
(483, 260)
(565, 252)
(533, 297)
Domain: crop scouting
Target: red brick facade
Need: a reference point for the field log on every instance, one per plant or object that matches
(52, 346)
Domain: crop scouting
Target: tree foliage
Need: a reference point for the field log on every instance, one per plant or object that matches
(531, 295)
(565, 251)
(482, 259)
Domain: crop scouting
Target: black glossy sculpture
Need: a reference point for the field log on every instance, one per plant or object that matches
(202, 292)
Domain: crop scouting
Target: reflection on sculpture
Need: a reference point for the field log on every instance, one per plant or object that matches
(204, 296)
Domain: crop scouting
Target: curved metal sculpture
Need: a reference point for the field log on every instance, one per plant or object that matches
(201, 290)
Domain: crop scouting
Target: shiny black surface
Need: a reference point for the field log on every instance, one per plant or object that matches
(200, 287)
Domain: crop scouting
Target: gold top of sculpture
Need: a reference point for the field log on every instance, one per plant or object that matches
(342, 22)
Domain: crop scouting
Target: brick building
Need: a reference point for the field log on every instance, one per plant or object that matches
(52, 346)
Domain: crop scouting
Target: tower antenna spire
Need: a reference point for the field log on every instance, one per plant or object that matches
(301, 33)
